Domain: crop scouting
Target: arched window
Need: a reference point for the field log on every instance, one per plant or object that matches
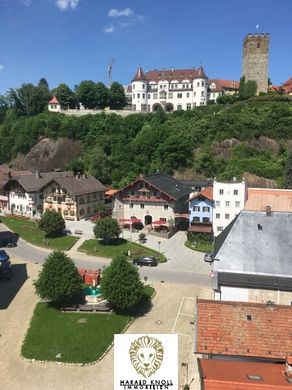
(65, 212)
(81, 212)
(72, 213)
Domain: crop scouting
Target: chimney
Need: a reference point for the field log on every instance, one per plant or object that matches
(37, 174)
(234, 179)
(288, 369)
(9, 175)
(78, 176)
(268, 210)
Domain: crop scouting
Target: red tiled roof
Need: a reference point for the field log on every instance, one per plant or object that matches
(222, 85)
(244, 329)
(175, 74)
(54, 100)
(287, 86)
(139, 76)
(233, 375)
(206, 192)
(259, 198)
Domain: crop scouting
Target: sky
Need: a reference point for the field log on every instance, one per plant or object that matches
(73, 40)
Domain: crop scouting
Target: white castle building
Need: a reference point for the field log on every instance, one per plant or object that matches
(174, 89)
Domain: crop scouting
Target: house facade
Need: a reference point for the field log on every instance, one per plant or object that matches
(229, 200)
(218, 87)
(157, 199)
(201, 211)
(171, 90)
(54, 105)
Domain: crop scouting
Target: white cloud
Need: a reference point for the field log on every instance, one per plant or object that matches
(109, 29)
(113, 13)
(66, 4)
(27, 3)
(123, 18)
(1, 67)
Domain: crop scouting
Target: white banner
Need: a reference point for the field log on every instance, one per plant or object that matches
(146, 361)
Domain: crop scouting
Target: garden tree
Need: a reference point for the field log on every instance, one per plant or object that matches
(121, 284)
(107, 228)
(288, 172)
(52, 223)
(86, 93)
(58, 280)
(65, 95)
(76, 165)
(117, 97)
(241, 88)
(4, 105)
(102, 96)
(247, 89)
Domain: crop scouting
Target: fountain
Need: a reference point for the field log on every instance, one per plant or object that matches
(92, 293)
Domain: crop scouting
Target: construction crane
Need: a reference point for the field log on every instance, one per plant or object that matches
(109, 70)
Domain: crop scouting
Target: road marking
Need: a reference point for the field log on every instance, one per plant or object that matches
(175, 322)
(184, 314)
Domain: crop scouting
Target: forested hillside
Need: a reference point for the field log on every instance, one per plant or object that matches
(216, 140)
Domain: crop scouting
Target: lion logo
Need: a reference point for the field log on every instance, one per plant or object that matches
(146, 354)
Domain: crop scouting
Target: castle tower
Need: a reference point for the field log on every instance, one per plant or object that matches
(139, 91)
(255, 59)
(200, 88)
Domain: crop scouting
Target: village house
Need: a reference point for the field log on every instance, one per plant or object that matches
(201, 211)
(218, 87)
(156, 200)
(253, 258)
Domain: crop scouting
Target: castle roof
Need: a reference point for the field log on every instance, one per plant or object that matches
(175, 74)
(222, 85)
(139, 76)
(54, 100)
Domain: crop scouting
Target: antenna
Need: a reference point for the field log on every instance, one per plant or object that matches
(109, 70)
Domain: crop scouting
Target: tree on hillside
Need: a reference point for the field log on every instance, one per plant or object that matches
(102, 96)
(247, 89)
(58, 280)
(117, 97)
(121, 284)
(65, 95)
(288, 172)
(241, 88)
(86, 93)
(107, 228)
(52, 223)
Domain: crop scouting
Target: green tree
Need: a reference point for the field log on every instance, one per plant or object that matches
(52, 223)
(65, 95)
(117, 97)
(241, 88)
(58, 280)
(288, 172)
(107, 228)
(121, 284)
(76, 165)
(102, 96)
(86, 92)
(250, 89)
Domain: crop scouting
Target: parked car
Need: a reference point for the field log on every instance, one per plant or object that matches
(3, 255)
(5, 270)
(8, 242)
(209, 257)
(150, 261)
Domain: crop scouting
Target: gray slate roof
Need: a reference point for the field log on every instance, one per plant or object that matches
(249, 250)
(168, 185)
(83, 185)
(33, 183)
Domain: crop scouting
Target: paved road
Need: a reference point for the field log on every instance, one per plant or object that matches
(184, 265)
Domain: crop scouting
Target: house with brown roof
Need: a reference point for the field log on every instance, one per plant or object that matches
(54, 105)
(75, 197)
(251, 331)
(287, 86)
(219, 87)
(242, 375)
(154, 200)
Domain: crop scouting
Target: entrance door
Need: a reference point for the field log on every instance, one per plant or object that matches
(148, 220)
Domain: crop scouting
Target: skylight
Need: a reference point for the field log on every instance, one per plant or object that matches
(253, 377)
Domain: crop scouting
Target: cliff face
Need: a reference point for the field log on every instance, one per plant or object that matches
(49, 154)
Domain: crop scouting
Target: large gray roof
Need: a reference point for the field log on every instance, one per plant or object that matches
(35, 182)
(257, 244)
(168, 185)
(83, 185)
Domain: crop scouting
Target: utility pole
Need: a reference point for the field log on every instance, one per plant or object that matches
(109, 70)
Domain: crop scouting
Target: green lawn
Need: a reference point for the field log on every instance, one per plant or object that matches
(117, 247)
(29, 231)
(52, 332)
(200, 246)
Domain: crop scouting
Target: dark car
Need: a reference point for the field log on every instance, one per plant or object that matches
(5, 270)
(3, 255)
(150, 261)
(8, 242)
(209, 257)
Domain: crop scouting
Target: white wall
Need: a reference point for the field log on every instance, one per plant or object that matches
(25, 203)
(229, 200)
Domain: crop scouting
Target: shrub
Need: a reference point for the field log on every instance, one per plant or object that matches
(52, 223)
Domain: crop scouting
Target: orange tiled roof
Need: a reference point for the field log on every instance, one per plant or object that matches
(259, 198)
(175, 74)
(233, 375)
(244, 329)
(222, 85)
(207, 193)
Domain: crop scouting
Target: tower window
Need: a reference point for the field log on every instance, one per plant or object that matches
(258, 45)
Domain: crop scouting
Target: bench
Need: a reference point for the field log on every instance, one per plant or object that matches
(78, 232)
(101, 308)
(86, 308)
(69, 308)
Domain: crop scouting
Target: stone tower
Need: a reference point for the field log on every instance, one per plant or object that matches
(255, 59)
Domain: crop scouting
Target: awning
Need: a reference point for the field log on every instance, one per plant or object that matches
(160, 223)
(200, 228)
(3, 198)
(130, 221)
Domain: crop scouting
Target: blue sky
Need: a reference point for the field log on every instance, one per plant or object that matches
(73, 40)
